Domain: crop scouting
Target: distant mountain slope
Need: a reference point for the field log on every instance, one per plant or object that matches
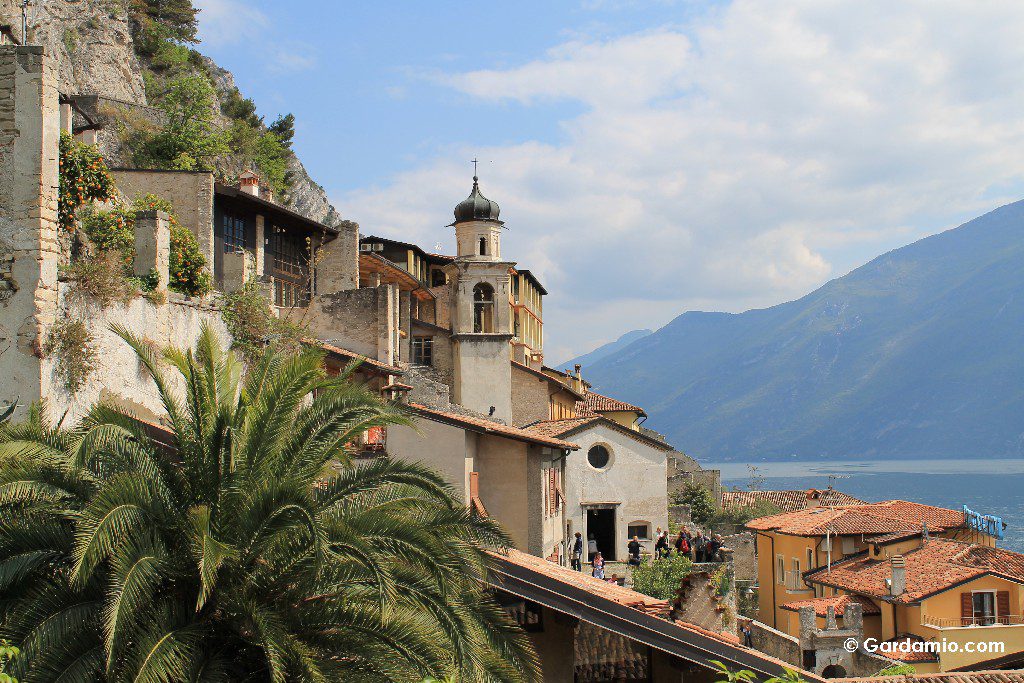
(605, 349)
(918, 353)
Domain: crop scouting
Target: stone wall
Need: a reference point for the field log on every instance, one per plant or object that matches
(744, 556)
(700, 603)
(338, 261)
(775, 643)
(682, 470)
(29, 249)
(530, 397)
(189, 192)
(361, 320)
(118, 377)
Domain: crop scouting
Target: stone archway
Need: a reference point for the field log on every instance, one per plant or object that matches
(833, 671)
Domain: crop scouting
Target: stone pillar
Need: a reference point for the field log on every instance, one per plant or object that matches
(261, 244)
(387, 323)
(67, 117)
(338, 266)
(239, 268)
(405, 326)
(29, 249)
(153, 246)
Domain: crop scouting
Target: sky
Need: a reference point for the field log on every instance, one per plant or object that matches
(653, 157)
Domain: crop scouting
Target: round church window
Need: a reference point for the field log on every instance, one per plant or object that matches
(598, 456)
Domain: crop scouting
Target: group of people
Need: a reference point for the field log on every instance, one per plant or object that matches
(697, 547)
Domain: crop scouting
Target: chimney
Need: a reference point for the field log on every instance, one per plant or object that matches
(578, 383)
(249, 183)
(898, 584)
(474, 485)
(813, 497)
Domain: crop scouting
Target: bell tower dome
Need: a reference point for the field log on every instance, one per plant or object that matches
(477, 228)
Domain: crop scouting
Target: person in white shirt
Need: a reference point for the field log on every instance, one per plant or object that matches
(591, 547)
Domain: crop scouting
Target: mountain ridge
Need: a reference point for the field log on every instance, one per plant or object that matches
(913, 354)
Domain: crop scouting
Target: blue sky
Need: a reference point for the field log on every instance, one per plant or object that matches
(649, 157)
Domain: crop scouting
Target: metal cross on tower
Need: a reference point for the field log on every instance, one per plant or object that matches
(475, 162)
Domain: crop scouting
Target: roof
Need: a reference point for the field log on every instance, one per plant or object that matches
(870, 518)
(262, 204)
(574, 425)
(485, 426)
(948, 677)
(546, 377)
(369, 239)
(533, 278)
(935, 567)
(908, 653)
(393, 273)
(837, 602)
(600, 403)
(630, 614)
(787, 501)
(350, 356)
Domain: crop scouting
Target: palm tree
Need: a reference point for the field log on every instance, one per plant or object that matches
(244, 546)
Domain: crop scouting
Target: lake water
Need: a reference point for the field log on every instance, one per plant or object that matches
(993, 487)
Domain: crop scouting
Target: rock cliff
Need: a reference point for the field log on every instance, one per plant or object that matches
(92, 41)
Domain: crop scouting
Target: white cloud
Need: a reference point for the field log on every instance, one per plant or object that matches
(229, 22)
(738, 159)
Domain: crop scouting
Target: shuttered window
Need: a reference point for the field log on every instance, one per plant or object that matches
(1003, 606)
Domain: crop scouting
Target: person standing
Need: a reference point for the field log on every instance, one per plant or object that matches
(591, 547)
(711, 549)
(683, 544)
(698, 547)
(598, 568)
(661, 544)
(634, 551)
(576, 556)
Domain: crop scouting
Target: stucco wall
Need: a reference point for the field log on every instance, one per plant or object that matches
(504, 486)
(190, 192)
(635, 478)
(446, 449)
(483, 375)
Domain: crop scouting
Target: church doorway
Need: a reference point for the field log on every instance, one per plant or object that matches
(601, 526)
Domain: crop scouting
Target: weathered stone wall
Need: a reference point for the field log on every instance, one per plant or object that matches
(775, 643)
(744, 557)
(699, 602)
(338, 261)
(190, 192)
(29, 249)
(361, 320)
(530, 397)
(118, 377)
(682, 470)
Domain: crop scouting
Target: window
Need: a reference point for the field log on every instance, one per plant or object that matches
(984, 603)
(289, 252)
(437, 277)
(483, 246)
(553, 493)
(423, 350)
(796, 567)
(234, 233)
(641, 530)
(290, 294)
(598, 456)
(810, 558)
(780, 569)
(483, 308)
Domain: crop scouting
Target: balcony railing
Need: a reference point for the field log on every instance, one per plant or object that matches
(960, 622)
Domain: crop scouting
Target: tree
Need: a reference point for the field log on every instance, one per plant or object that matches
(188, 139)
(284, 128)
(661, 579)
(246, 545)
(701, 502)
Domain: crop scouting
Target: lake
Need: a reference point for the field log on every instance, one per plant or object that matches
(990, 486)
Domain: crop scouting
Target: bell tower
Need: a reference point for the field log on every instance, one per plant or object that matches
(480, 312)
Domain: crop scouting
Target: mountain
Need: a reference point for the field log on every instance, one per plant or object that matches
(919, 353)
(103, 47)
(605, 350)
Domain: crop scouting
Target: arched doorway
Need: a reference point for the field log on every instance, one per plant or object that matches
(833, 671)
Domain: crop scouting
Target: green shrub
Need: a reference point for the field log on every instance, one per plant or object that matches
(189, 139)
(112, 230)
(661, 579)
(83, 178)
(741, 515)
(250, 320)
(897, 670)
(702, 503)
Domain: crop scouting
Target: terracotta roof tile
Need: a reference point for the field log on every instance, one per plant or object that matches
(571, 425)
(870, 518)
(334, 350)
(490, 427)
(788, 501)
(555, 428)
(948, 677)
(839, 602)
(601, 403)
(932, 568)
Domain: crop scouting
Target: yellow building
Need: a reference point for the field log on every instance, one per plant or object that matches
(827, 556)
